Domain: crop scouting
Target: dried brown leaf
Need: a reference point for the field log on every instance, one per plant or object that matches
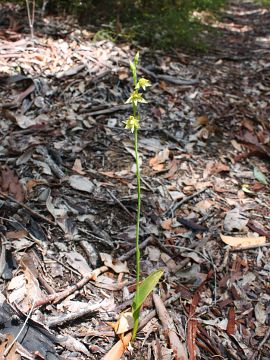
(243, 242)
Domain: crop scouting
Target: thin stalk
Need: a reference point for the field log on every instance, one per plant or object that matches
(138, 175)
(138, 255)
(137, 236)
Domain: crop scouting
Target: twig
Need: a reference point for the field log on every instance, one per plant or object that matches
(176, 345)
(153, 313)
(100, 235)
(27, 208)
(69, 268)
(176, 205)
(147, 185)
(172, 137)
(19, 333)
(96, 333)
(119, 203)
(132, 252)
(215, 276)
(106, 111)
(224, 262)
(94, 239)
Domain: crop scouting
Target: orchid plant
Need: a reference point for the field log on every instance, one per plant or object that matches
(133, 124)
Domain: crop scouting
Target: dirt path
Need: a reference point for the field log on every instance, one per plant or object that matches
(67, 160)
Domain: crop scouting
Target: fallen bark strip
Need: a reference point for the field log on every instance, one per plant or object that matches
(178, 348)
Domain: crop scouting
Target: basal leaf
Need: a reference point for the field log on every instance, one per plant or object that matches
(145, 289)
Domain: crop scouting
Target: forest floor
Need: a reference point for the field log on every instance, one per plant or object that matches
(68, 192)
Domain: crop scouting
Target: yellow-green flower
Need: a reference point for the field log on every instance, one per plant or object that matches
(136, 98)
(143, 83)
(132, 123)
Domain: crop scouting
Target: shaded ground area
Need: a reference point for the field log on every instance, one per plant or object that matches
(68, 191)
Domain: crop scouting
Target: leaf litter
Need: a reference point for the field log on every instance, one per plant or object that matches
(67, 194)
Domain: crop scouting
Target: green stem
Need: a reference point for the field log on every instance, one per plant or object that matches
(138, 256)
(138, 175)
(138, 210)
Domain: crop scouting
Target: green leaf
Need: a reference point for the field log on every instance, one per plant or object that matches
(146, 288)
(260, 176)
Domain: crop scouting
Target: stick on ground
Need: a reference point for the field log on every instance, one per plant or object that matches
(178, 348)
